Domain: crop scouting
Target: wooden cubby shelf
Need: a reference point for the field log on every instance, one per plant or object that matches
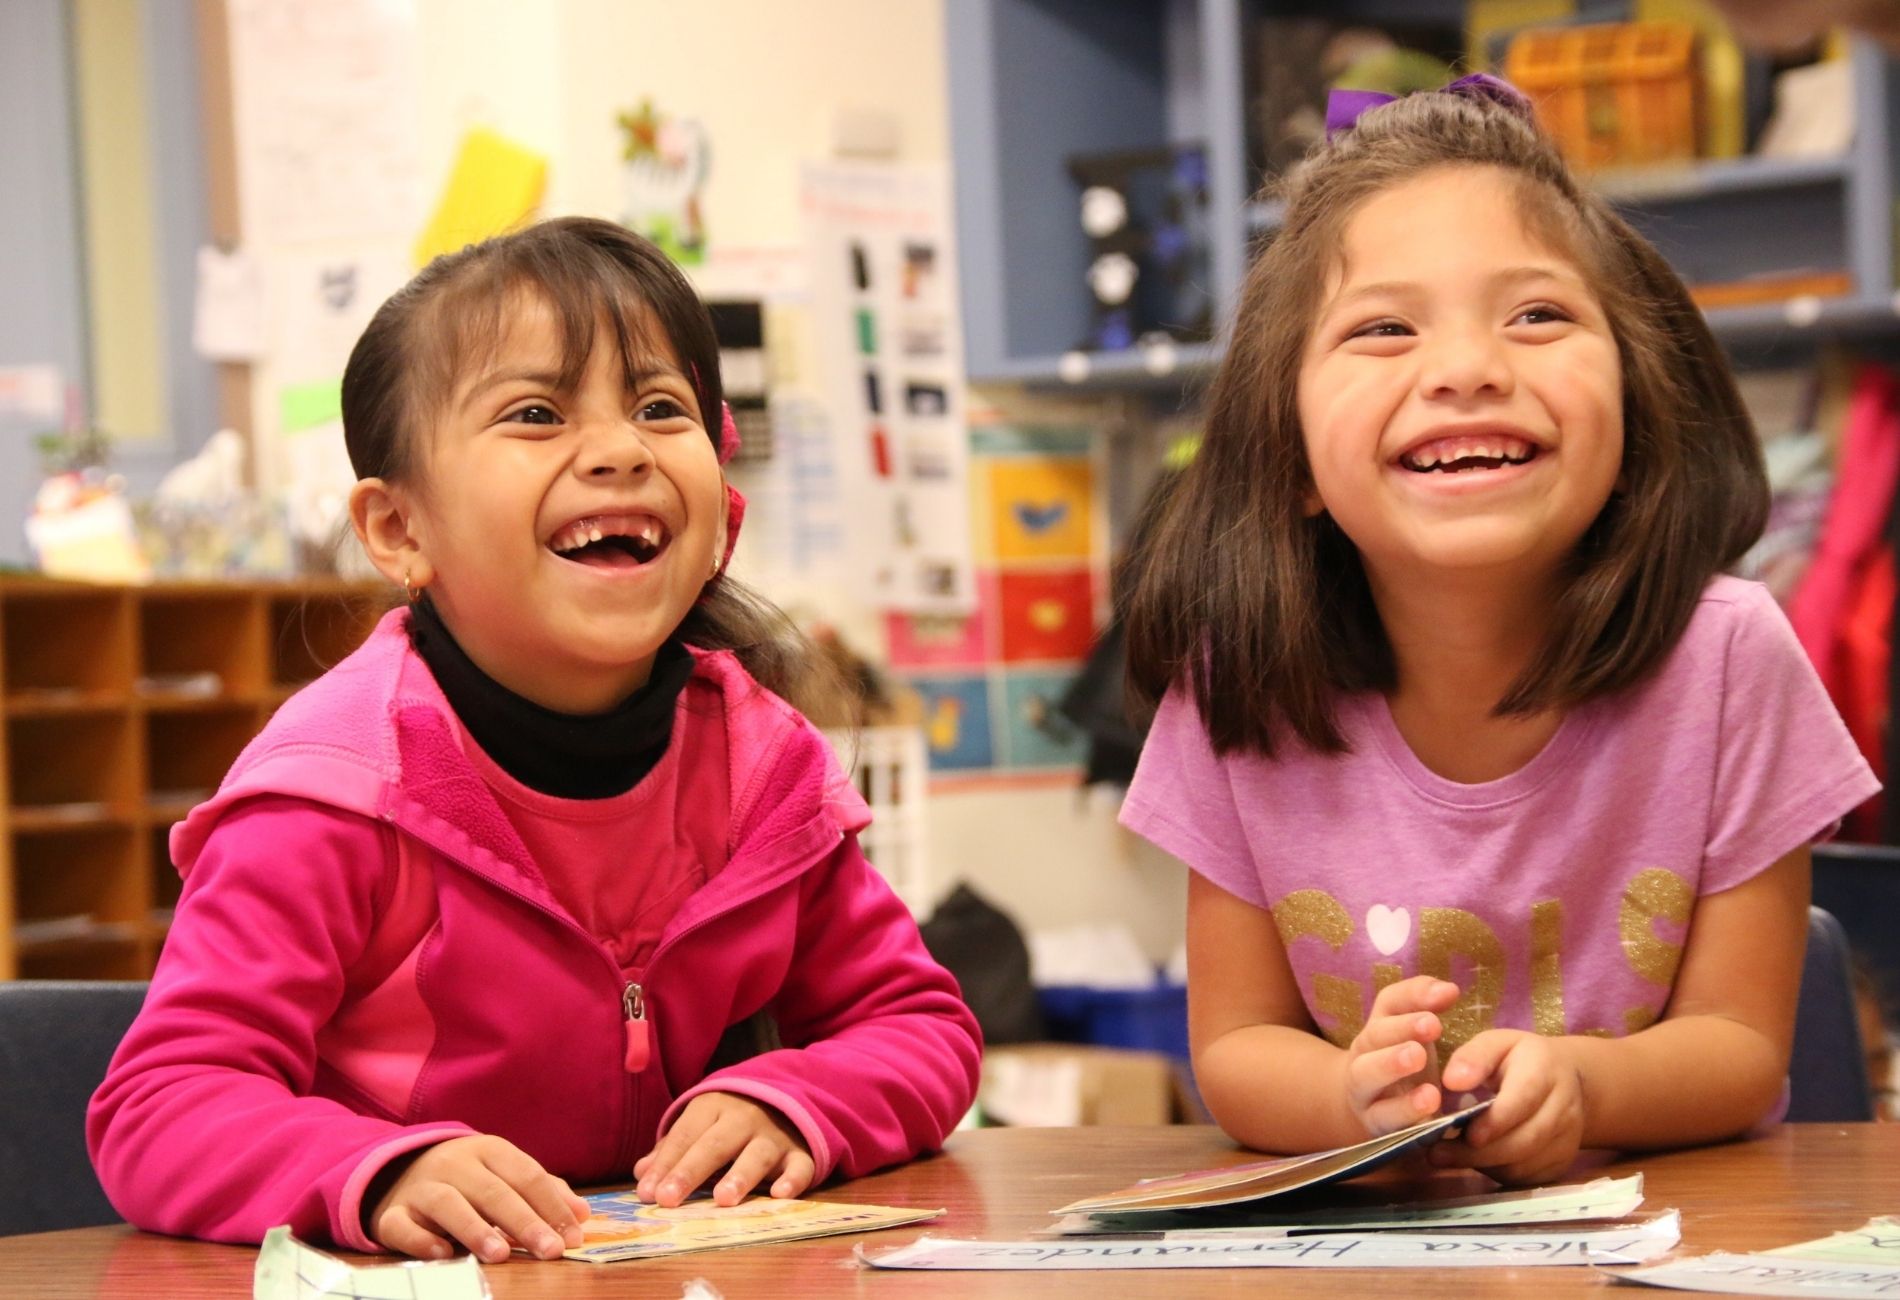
(120, 709)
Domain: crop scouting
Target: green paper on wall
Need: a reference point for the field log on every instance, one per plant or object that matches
(305, 406)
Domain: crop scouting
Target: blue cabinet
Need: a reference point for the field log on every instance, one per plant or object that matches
(1034, 82)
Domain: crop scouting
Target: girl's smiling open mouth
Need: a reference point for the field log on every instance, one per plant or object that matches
(1466, 453)
(619, 541)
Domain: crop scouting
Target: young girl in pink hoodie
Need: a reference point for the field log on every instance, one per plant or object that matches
(544, 884)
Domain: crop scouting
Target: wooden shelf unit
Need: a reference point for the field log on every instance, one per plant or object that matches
(120, 709)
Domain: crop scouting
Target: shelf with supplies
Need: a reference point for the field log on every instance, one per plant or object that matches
(1779, 248)
(120, 709)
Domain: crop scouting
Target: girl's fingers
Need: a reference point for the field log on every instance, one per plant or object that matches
(578, 1205)
(449, 1213)
(1471, 1065)
(661, 1160)
(799, 1168)
(398, 1230)
(1371, 1073)
(1389, 1031)
(1390, 1114)
(701, 1161)
(1419, 993)
(552, 1201)
(761, 1156)
(497, 1201)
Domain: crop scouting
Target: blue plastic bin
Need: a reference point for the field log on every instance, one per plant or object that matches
(1152, 1019)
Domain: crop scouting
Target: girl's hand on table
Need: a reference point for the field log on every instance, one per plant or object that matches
(717, 1128)
(472, 1190)
(1534, 1129)
(1392, 1065)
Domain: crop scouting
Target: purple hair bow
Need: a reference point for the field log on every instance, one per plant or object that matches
(1343, 107)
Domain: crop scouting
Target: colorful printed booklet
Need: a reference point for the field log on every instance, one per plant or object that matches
(623, 1227)
(1208, 1188)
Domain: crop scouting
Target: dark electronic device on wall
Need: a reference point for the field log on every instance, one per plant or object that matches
(739, 327)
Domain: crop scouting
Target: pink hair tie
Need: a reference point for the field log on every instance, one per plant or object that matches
(735, 503)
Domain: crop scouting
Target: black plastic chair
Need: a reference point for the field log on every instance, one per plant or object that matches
(1860, 885)
(1827, 1075)
(56, 1039)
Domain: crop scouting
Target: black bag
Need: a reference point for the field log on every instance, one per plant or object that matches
(982, 947)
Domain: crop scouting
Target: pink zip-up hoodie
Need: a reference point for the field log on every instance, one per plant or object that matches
(365, 961)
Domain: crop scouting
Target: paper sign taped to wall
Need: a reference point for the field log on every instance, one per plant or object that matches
(494, 186)
(228, 320)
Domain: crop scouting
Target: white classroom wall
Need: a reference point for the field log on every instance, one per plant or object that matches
(768, 79)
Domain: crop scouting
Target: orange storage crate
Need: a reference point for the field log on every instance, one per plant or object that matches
(1612, 94)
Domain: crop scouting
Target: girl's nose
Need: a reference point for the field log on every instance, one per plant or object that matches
(1465, 363)
(615, 448)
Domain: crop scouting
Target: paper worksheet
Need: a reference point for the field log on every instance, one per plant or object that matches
(1624, 1244)
(289, 1270)
(1862, 1262)
(1782, 1275)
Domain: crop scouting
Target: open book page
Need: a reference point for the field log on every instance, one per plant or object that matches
(1261, 1179)
(1594, 1201)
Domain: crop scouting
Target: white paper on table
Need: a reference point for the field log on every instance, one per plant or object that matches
(1601, 1198)
(289, 1270)
(1630, 1244)
(1780, 1275)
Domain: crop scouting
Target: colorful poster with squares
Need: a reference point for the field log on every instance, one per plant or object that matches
(1047, 615)
(1034, 734)
(1042, 508)
(957, 721)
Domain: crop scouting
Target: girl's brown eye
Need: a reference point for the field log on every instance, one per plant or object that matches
(661, 409)
(533, 415)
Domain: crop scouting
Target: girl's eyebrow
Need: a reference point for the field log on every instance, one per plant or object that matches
(539, 378)
(1502, 278)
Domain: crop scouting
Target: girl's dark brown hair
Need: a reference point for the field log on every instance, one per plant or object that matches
(1267, 614)
(449, 320)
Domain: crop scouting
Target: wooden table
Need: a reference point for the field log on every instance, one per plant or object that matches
(1804, 1181)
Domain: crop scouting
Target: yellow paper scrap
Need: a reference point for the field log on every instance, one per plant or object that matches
(494, 186)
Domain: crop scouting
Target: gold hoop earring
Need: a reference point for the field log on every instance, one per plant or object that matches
(409, 589)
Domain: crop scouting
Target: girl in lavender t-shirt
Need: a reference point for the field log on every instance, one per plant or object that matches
(1489, 781)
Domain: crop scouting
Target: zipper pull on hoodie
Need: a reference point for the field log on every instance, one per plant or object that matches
(639, 1044)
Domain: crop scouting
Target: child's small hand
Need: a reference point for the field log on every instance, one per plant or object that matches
(1391, 1067)
(1534, 1128)
(717, 1127)
(463, 1189)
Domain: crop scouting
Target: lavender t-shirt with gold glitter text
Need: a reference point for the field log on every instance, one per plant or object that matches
(1557, 897)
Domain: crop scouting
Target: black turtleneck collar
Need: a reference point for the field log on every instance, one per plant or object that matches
(568, 755)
